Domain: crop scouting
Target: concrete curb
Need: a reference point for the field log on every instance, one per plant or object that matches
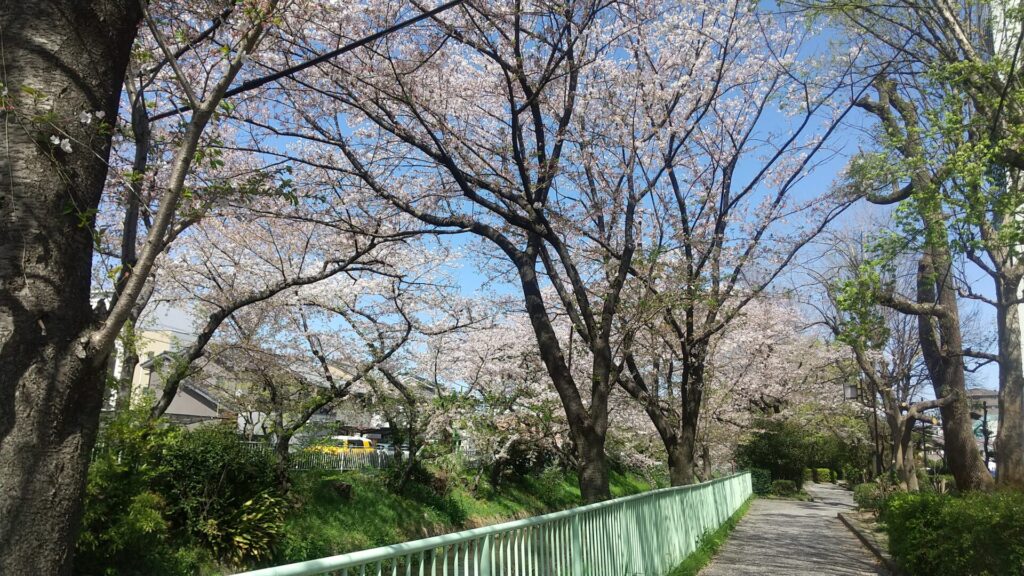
(871, 543)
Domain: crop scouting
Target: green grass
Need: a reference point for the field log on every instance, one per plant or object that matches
(709, 544)
(324, 524)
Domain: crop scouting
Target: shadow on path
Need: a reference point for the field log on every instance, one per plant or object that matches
(787, 537)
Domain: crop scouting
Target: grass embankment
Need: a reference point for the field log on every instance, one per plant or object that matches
(709, 544)
(325, 523)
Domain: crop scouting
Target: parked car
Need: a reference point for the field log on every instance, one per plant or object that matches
(344, 445)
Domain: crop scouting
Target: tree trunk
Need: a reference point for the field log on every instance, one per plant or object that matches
(680, 462)
(942, 346)
(691, 395)
(60, 59)
(910, 467)
(282, 461)
(680, 459)
(414, 446)
(705, 460)
(129, 361)
(1010, 435)
(593, 468)
(687, 438)
(588, 426)
(903, 450)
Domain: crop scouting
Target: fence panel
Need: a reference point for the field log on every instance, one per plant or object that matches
(315, 460)
(643, 535)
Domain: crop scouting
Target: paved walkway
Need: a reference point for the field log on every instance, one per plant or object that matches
(791, 538)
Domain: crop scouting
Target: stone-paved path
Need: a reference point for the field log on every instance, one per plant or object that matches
(791, 538)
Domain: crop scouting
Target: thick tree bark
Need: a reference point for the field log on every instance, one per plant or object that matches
(942, 345)
(677, 429)
(691, 397)
(124, 380)
(593, 467)
(900, 429)
(587, 426)
(1010, 435)
(60, 59)
(282, 460)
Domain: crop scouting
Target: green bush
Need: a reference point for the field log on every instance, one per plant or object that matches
(248, 532)
(781, 447)
(784, 487)
(852, 474)
(808, 475)
(126, 527)
(761, 480)
(869, 496)
(979, 534)
(163, 500)
(822, 475)
(216, 484)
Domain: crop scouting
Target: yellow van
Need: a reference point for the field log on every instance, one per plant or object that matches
(344, 445)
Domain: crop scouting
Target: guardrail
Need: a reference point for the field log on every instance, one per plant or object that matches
(647, 534)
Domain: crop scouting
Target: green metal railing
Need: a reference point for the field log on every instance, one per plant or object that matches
(643, 535)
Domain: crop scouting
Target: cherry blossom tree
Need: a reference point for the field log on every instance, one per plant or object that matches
(67, 62)
(730, 216)
(297, 355)
(512, 407)
(483, 155)
(241, 257)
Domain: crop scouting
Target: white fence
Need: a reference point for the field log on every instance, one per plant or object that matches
(316, 460)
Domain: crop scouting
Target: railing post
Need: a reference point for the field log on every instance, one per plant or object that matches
(577, 547)
(485, 557)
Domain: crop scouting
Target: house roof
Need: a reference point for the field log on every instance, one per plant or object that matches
(981, 392)
(231, 366)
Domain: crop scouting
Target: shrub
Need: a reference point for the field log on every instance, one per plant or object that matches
(784, 487)
(944, 483)
(852, 474)
(126, 527)
(215, 484)
(977, 534)
(781, 447)
(822, 475)
(761, 480)
(808, 475)
(868, 496)
(248, 532)
(163, 500)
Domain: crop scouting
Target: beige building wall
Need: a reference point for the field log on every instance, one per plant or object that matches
(150, 343)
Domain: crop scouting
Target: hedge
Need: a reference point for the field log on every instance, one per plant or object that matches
(868, 496)
(761, 479)
(784, 488)
(979, 534)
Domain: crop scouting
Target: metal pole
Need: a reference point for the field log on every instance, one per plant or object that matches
(984, 429)
(878, 449)
(924, 444)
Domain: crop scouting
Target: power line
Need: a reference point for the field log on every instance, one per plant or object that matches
(257, 82)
